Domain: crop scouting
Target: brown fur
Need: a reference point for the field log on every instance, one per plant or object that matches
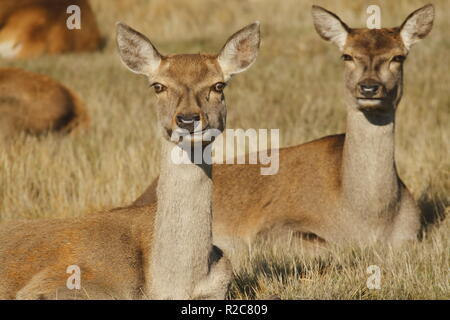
(35, 103)
(39, 27)
(123, 241)
(244, 210)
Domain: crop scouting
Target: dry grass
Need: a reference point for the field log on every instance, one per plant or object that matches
(295, 85)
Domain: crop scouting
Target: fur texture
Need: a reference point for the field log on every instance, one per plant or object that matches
(183, 232)
(36, 104)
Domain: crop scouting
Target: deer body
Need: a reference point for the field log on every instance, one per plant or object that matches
(36, 254)
(35, 103)
(161, 251)
(342, 188)
(256, 206)
(31, 28)
(354, 195)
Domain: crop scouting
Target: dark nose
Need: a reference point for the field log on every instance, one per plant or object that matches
(369, 88)
(187, 120)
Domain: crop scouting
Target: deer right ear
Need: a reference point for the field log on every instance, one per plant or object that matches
(136, 51)
(329, 26)
(417, 25)
(240, 51)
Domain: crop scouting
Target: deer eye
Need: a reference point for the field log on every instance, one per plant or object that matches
(218, 87)
(158, 87)
(346, 57)
(399, 58)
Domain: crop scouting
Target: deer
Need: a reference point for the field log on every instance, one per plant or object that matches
(32, 28)
(160, 251)
(37, 104)
(339, 189)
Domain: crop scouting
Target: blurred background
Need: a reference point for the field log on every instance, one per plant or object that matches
(295, 85)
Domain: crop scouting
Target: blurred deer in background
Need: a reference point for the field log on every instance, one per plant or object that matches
(36, 104)
(31, 28)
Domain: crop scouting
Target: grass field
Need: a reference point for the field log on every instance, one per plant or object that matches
(295, 85)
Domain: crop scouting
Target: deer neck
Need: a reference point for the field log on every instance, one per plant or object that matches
(182, 238)
(369, 179)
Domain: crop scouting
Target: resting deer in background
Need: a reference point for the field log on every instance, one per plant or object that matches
(36, 104)
(161, 251)
(31, 28)
(341, 188)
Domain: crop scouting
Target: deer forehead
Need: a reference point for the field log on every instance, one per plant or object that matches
(191, 70)
(374, 42)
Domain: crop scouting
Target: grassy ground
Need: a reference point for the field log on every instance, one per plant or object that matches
(296, 85)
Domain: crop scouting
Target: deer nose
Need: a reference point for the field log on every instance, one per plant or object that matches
(369, 89)
(187, 120)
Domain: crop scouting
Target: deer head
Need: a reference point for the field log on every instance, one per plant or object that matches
(189, 87)
(374, 58)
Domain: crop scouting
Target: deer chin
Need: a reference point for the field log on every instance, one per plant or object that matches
(368, 103)
(205, 136)
(372, 104)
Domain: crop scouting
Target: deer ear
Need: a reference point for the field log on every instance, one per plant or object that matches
(417, 25)
(136, 51)
(240, 51)
(329, 26)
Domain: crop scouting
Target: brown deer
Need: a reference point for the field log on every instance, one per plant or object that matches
(31, 28)
(341, 188)
(158, 252)
(36, 104)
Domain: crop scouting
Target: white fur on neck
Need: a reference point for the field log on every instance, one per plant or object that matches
(369, 179)
(182, 239)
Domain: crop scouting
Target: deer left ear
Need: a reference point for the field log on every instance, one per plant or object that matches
(136, 51)
(240, 51)
(417, 25)
(329, 26)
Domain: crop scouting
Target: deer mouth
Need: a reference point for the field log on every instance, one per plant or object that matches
(198, 135)
(202, 135)
(369, 103)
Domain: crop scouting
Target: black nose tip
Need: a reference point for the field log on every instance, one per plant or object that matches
(369, 89)
(187, 121)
